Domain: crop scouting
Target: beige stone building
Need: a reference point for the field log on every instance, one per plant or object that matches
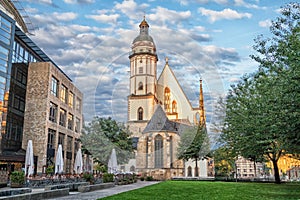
(53, 115)
(247, 169)
(158, 110)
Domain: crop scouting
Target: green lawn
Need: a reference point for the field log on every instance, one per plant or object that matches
(184, 190)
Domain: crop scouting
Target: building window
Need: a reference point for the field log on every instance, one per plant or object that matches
(158, 151)
(78, 104)
(21, 77)
(68, 165)
(71, 99)
(174, 107)
(140, 113)
(140, 86)
(19, 103)
(77, 125)
(69, 143)
(167, 99)
(76, 145)
(61, 139)
(70, 121)
(53, 112)
(63, 94)
(62, 117)
(132, 169)
(54, 86)
(51, 139)
(140, 70)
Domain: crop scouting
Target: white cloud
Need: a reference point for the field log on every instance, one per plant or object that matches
(52, 18)
(49, 2)
(265, 24)
(126, 6)
(67, 16)
(224, 14)
(163, 16)
(131, 9)
(247, 5)
(183, 2)
(79, 1)
(216, 1)
(80, 28)
(102, 17)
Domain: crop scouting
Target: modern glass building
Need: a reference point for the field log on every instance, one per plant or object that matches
(21, 63)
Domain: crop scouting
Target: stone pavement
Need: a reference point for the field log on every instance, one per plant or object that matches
(107, 192)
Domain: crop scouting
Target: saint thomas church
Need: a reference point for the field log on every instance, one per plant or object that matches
(158, 112)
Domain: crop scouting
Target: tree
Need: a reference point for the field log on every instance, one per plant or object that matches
(280, 55)
(253, 128)
(101, 135)
(194, 144)
(262, 110)
(224, 161)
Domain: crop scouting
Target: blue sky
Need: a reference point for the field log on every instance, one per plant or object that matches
(91, 40)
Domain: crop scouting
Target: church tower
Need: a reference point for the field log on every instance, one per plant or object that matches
(143, 63)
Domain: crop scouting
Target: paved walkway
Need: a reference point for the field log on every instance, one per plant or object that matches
(107, 192)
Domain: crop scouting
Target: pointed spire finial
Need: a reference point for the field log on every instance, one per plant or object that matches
(167, 60)
(201, 104)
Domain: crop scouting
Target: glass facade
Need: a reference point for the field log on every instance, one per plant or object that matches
(14, 58)
(9, 131)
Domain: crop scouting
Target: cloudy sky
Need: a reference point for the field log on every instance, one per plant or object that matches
(91, 40)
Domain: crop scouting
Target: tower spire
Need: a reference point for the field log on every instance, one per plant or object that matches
(202, 120)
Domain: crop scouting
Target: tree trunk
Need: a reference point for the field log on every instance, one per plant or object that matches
(254, 169)
(276, 171)
(196, 169)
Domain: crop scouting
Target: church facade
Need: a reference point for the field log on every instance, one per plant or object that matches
(158, 111)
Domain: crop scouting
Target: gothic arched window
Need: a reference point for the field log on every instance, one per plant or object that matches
(158, 147)
(140, 113)
(174, 107)
(167, 99)
(140, 86)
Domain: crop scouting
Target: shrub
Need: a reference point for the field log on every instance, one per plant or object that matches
(142, 178)
(108, 178)
(17, 178)
(50, 170)
(149, 178)
(88, 177)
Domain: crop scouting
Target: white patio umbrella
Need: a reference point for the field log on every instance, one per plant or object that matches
(59, 160)
(112, 162)
(78, 162)
(29, 161)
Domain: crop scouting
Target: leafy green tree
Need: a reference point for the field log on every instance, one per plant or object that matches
(280, 56)
(224, 161)
(194, 144)
(101, 135)
(252, 128)
(262, 110)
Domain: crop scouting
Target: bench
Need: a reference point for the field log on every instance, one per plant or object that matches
(89, 188)
(11, 192)
(71, 186)
(39, 195)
